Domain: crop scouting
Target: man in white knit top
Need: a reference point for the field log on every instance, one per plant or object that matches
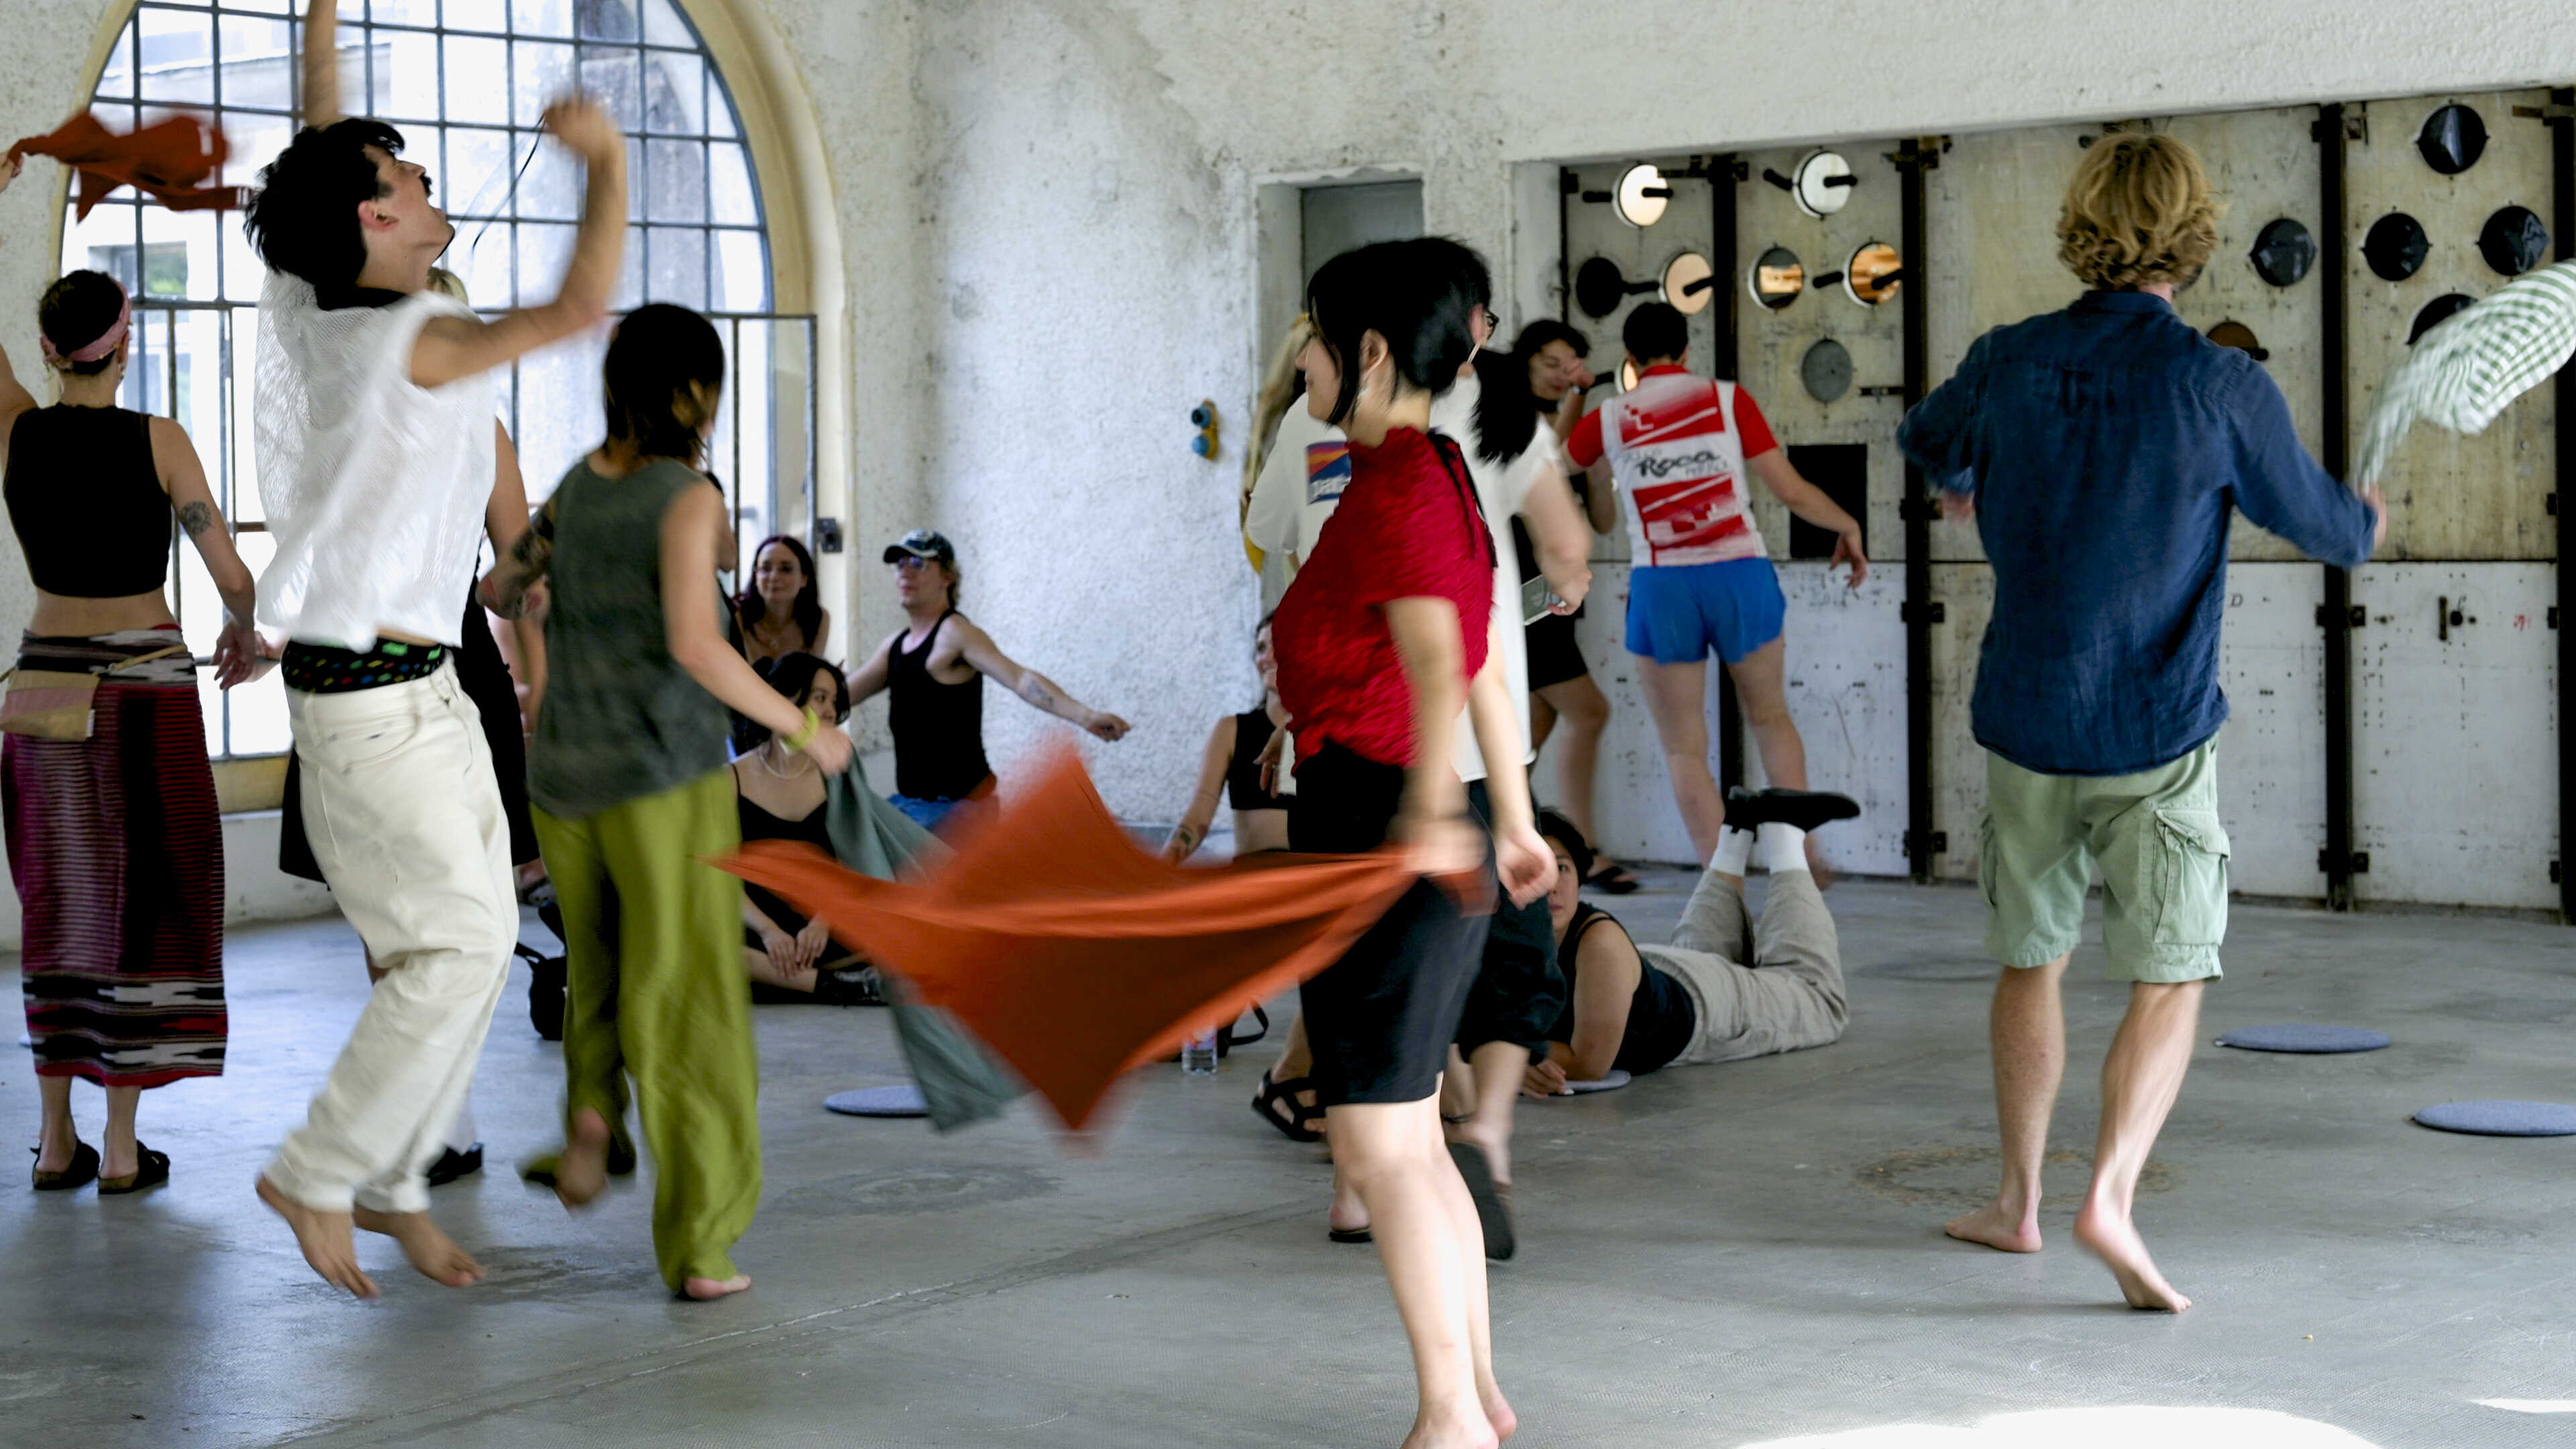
(376, 418)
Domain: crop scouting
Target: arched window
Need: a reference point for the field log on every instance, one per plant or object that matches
(465, 81)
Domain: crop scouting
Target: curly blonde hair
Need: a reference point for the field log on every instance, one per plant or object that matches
(2139, 211)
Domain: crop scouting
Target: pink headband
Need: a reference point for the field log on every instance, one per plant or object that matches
(108, 341)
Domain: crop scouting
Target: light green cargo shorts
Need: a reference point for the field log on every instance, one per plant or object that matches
(2163, 856)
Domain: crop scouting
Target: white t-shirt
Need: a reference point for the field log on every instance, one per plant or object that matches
(374, 488)
(1302, 483)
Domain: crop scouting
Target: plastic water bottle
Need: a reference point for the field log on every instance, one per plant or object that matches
(1198, 1055)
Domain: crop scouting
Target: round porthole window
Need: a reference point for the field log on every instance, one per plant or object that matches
(1823, 184)
(2434, 312)
(2453, 139)
(1826, 370)
(1873, 274)
(1689, 282)
(2513, 241)
(1777, 278)
(2395, 246)
(1642, 195)
(1599, 287)
(2283, 252)
(2241, 337)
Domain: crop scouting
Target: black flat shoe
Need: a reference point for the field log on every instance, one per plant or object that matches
(151, 1169)
(1611, 879)
(452, 1164)
(1350, 1235)
(82, 1172)
(1805, 809)
(1493, 1211)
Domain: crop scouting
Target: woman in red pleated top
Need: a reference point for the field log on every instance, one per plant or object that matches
(1388, 625)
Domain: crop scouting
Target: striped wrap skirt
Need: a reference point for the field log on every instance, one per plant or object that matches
(117, 854)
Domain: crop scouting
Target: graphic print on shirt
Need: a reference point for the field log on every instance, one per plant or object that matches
(1328, 470)
(1683, 469)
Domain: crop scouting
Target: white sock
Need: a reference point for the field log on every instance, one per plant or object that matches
(461, 1136)
(1784, 847)
(1734, 851)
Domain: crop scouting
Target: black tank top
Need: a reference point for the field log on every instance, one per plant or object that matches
(938, 728)
(1661, 1020)
(87, 502)
(1252, 732)
(759, 824)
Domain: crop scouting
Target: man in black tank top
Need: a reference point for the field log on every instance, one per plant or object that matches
(935, 668)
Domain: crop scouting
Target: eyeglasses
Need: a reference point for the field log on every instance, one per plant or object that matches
(912, 563)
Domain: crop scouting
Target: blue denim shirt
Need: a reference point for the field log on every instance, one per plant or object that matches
(2106, 446)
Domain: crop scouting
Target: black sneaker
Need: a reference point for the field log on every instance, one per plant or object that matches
(1805, 809)
(452, 1164)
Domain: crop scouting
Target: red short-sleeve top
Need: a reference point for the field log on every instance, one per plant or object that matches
(1409, 526)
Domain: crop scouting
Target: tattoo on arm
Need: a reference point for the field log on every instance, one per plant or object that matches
(196, 517)
(530, 559)
(1034, 689)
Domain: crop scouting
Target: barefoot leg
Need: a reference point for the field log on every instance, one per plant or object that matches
(1495, 1074)
(704, 1289)
(2140, 1080)
(430, 1250)
(582, 1172)
(325, 1239)
(2029, 1031)
(1393, 1156)
(60, 1139)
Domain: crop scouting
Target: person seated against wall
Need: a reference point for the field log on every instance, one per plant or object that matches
(781, 611)
(1727, 986)
(782, 795)
(1232, 766)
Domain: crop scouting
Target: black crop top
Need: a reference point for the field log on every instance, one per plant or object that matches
(1252, 732)
(1661, 1019)
(87, 502)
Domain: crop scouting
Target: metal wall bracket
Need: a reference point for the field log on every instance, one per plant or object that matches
(1940, 842)
(1935, 612)
(2354, 619)
(2356, 127)
(1923, 152)
(2360, 862)
(1886, 389)
(2546, 113)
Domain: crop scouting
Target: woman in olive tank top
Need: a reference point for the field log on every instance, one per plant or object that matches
(632, 796)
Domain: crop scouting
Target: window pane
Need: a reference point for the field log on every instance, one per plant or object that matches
(404, 72)
(675, 93)
(401, 12)
(742, 272)
(259, 708)
(482, 258)
(492, 15)
(720, 112)
(178, 54)
(200, 610)
(117, 80)
(179, 253)
(613, 80)
(541, 74)
(732, 194)
(256, 140)
(478, 87)
(675, 181)
(608, 20)
(553, 187)
(559, 415)
(664, 26)
(244, 273)
(265, 7)
(755, 479)
(679, 267)
(541, 17)
(200, 400)
(245, 366)
(543, 251)
(634, 179)
(146, 388)
(476, 181)
(630, 274)
(104, 243)
(256, 64)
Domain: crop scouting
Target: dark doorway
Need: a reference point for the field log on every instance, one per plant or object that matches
(1842, 470)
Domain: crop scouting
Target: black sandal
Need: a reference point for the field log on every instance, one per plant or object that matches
(151, 1169)
(82, 1172)
(1293, 1125)
(1493, 1210)
(1349, 1235)
(1611, 879)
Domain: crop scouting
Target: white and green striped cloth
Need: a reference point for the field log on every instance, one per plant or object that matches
(2466, 370)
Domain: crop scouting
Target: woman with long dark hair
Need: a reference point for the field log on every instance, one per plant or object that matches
(782, 794)
(114, 843)
(780, 611)
(1384, 630)
(633, 797)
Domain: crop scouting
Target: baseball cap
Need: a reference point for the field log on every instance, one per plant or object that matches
(922, 543)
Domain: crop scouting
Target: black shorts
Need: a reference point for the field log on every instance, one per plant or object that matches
(1380, 1019)
(1518, 993)
(1554, 657)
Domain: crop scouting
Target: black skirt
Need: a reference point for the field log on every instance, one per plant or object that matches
(1518, 993)
(1554, 657)
(1382, 1017)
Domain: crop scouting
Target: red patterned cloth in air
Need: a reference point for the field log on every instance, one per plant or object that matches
(1409, 526)
(174, 161)
(1680, 465)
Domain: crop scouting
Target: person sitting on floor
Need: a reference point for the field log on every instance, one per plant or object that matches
(782, 795)
(1727, 987)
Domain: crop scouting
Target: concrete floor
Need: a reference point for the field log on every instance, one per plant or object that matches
(1716, 1256)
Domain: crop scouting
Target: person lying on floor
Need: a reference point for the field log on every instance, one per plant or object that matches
(1727, 987)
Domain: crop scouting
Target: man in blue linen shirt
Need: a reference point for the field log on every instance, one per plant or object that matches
(2101, 450)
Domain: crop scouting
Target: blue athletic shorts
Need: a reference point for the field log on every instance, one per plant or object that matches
(1677, 614)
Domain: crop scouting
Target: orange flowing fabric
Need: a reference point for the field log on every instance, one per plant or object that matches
(174, 161)
(1073, 954)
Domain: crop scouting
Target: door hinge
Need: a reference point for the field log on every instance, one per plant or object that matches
(1935, 612)
(2359, 861)
(1940, 842)
(2356, 127)
(2552, 112)
(2352, 620)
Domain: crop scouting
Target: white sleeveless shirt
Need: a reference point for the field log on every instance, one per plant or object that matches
(374, 488)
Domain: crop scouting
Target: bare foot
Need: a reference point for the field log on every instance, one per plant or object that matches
(2111, 1237)
(433, 1252)
(1497, 1147)
(1468, 1430)
(326, 1240)
(703, 1289)
(2004, 1231)
(1499, 1413)
(582, 1172)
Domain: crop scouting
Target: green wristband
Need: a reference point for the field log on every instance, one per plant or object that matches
(805, 736)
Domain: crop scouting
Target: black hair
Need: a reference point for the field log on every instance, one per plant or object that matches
(1535, 338)
(660, 383)
(807, 610)
(792, 675)
(1655, 331)
(303, 220)
(1506, 412)
(1561, 830)
(76, 311)
(1412, 296)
